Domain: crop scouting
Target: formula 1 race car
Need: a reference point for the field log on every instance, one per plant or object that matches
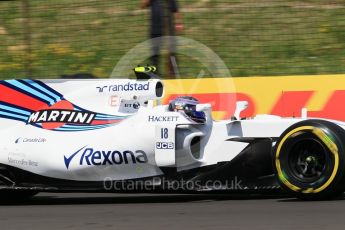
(113, 135)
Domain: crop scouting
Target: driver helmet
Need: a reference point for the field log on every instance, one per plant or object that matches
(187, 105)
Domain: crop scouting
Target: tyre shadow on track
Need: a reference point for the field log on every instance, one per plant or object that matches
(292, 199)
(86, 199)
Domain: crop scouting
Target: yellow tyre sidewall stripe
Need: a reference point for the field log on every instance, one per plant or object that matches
(330, 145)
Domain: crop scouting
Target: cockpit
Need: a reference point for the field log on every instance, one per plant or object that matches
(187, 105)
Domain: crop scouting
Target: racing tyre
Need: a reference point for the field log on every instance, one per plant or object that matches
(309, 160)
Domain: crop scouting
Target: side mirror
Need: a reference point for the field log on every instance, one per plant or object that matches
(240, 106)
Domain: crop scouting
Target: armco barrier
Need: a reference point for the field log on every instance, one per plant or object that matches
(322, 95)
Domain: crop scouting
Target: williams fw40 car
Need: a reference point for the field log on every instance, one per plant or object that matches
(113, 135)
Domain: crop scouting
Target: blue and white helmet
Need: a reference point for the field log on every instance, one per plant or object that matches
(187, 105)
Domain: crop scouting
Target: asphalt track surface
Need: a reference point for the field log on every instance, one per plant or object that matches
(50, 211)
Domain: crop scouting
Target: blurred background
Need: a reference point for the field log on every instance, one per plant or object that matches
(51, 38)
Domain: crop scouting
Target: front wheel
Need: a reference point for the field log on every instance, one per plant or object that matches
(309, 160)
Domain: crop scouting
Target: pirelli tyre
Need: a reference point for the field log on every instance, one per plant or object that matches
(309, 160)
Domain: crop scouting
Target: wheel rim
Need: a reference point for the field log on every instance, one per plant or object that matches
(308, 160)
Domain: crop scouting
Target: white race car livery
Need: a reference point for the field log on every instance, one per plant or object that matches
(73, 135)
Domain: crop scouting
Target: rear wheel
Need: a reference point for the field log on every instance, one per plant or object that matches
(310, 159)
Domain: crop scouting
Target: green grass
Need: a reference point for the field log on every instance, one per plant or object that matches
(269, 37)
